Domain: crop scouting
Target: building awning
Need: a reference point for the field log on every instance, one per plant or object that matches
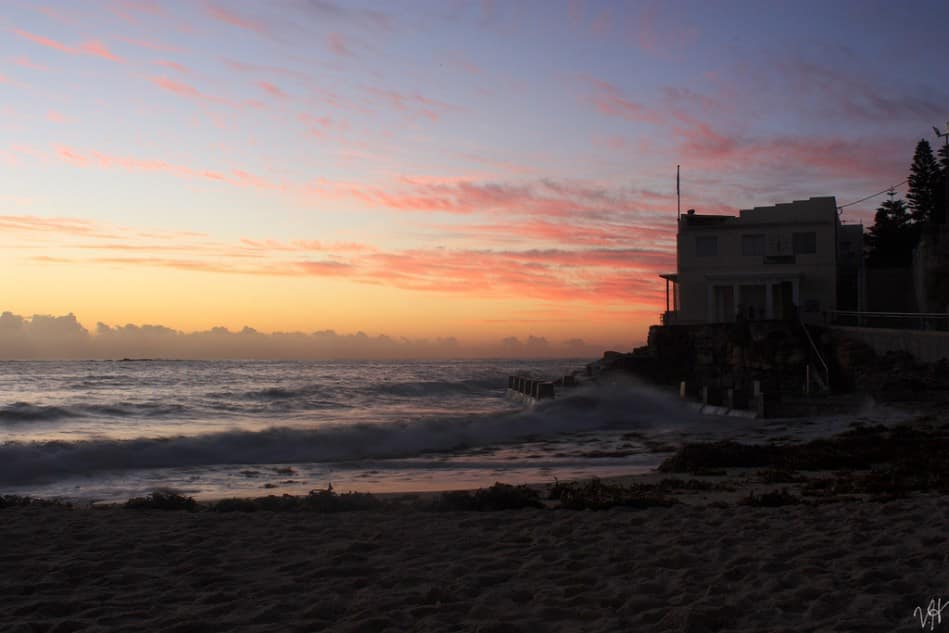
(673, 277)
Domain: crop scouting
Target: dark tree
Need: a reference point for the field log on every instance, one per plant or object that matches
(925, 187)
(893, 236)
(943, 154)
(943, 190)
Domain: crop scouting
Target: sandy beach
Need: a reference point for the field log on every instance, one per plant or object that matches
(843, 566)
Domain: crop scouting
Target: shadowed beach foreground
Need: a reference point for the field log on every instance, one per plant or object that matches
(841, 566)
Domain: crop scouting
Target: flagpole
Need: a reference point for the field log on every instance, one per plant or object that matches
(678, 196)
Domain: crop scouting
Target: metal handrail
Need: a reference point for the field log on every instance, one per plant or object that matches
(820, 357)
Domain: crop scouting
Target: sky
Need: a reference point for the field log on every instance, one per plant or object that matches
(420, 178)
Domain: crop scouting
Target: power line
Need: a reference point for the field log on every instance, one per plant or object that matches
(874, 195)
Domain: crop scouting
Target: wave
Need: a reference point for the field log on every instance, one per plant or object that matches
(415, 388)
(26, 412)
(439, 387)
(22, 412)
(22, 463)
(280, 393)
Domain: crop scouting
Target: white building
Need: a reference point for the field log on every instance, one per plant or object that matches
(766, 263)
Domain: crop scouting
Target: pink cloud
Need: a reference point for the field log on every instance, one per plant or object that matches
(272, 89)
(303, 245)
(337, 44)
(173, 65)
(874, 158)
(92, 47)
(246, 67)
(547, 198)
(237, 177)
(43, 41)
(177, 87)
(68, 226)
(658, 231)
(594, 276)
(609, 100)
(413, 104)
(26, 62)
(246, 179)
(97, 48)
(229, 16)
(317, 125)
(70, 156)
(55, 116)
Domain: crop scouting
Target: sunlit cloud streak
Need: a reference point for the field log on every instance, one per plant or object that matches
(93, 158)
(226, 14)
(91, 47)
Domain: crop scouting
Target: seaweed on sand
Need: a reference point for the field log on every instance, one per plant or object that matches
(598, 495)
(162, 500)
(497, 497)
(857, 448)
(773, 499)
(18, 501)
(319, 501)
(871, 460)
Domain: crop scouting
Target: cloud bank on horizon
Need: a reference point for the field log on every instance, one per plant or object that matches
(426, 170)
(46, 337)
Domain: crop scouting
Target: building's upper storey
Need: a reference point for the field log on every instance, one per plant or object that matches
(800, 232)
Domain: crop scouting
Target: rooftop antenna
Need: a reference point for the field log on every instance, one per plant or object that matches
(678, 196)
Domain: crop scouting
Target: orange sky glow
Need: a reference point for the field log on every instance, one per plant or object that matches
(464, 179)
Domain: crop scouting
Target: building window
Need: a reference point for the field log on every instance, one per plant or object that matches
(706, 245)
(752, 244)
(804, 243)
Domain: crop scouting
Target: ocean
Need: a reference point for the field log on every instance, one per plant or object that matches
(111, 430)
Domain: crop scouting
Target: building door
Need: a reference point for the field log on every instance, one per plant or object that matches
(782, 297)
(724, 304)
(753, 301)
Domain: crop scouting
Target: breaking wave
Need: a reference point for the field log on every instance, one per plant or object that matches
(25, 462)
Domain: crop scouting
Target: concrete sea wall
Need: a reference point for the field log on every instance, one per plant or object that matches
(925, 346)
